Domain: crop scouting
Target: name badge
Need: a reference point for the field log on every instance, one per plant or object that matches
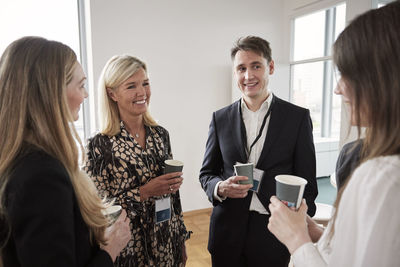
(257, 176)
(163, 210)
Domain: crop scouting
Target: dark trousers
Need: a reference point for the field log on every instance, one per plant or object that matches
(260, 248)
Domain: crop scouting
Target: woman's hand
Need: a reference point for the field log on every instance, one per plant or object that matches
(288, 225)
(117, 236)
(314, 230)
(161, 185)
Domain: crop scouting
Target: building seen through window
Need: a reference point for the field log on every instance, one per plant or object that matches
(312, 70)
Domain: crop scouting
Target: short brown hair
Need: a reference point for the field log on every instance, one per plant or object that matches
(254, 44)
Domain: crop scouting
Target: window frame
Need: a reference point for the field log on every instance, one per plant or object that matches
(84, 63)
(327, 86)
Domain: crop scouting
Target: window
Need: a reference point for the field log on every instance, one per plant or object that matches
(380, 3)
(54, 20)
(312, 80)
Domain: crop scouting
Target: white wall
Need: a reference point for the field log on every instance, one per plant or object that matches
(186, 45)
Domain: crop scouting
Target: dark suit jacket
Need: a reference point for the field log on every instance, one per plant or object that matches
(288, 149)
(347, 162)
(47, 228)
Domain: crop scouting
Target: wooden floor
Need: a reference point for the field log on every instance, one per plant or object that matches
(198, 221)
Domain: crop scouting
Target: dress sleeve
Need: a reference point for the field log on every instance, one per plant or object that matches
(96, 165)
(41, 211)
(178, 211)
(367, 224)
(367, 227)
(177, 207)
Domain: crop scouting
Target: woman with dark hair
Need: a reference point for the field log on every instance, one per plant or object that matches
(365, 226)
(50, 212)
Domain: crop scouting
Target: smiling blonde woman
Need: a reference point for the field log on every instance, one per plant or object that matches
(126, 162)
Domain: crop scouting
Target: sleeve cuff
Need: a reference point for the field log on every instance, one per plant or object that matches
(308, 255)
(215, 195)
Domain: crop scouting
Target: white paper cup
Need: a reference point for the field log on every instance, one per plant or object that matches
(245, 169)
(290, 189)
(113, 212)
(172, 165)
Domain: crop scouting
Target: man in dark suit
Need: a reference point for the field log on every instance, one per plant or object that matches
(271, 133)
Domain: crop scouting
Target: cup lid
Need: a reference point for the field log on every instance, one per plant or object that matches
(112, 209)
(243, 164)
(290, 179)
(173, 162)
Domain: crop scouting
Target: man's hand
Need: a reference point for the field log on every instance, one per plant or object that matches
(231, 187)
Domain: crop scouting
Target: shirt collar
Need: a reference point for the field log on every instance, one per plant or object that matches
(123, 132)
(264, 106)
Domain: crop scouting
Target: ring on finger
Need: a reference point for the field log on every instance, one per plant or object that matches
(170, 188)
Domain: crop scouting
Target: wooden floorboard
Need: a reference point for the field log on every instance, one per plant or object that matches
(198, 221)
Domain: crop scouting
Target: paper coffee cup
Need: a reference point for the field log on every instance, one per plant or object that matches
(112, 212)
(290, 189)
(245, 169)
(172, 165)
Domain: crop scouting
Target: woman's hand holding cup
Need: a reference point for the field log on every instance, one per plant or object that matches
(117, 236)
(161, 185)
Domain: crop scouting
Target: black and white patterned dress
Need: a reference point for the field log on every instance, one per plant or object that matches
(118, 166)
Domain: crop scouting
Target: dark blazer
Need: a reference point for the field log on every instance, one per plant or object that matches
(288, 149)
(347, 162)
(47, 228)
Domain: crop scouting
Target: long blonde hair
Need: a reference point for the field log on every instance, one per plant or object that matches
(117, 70)
(367, 54)
(34, 73)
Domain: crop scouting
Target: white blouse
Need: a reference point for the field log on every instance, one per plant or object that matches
(367, 228)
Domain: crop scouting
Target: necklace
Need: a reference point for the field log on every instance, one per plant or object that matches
(136, 133)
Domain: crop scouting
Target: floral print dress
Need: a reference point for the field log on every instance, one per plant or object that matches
(118, 165)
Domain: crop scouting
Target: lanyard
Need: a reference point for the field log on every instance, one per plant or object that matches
(244, 137)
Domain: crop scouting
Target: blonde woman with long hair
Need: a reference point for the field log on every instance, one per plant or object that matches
(50, 211)
(126, 159)
(365, 226)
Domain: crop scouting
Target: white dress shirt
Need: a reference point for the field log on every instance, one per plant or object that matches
(367, 227)
(253, 121)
